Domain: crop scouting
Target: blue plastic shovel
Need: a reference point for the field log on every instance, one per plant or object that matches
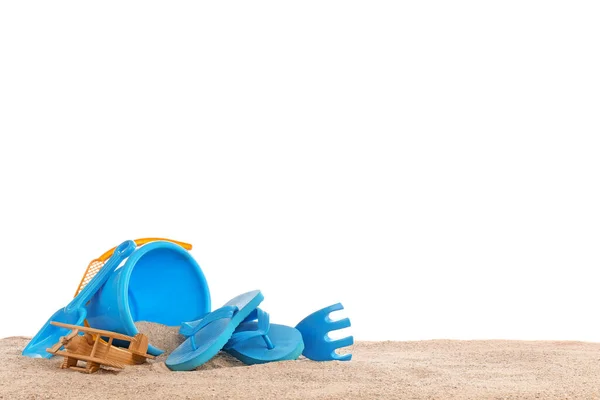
(75, 312)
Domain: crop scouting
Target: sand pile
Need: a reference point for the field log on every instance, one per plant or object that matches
(164, 337)
(167, 338)
(434, 369)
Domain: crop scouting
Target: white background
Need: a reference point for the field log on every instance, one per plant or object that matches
(432, 165)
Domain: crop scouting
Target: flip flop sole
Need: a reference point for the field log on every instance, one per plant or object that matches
(287, 342)
(212, 337)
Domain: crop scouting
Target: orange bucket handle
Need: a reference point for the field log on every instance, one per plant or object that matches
(139, 242)
(95, 265)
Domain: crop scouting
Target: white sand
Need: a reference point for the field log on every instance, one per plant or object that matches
(167, 338)
(439, 369)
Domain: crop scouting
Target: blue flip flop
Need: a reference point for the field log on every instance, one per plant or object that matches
(208, 335)
(257, 341)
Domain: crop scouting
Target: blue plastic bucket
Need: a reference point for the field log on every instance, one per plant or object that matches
(159, 282)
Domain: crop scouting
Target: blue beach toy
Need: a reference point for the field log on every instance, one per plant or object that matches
(75, 312)
(257, 341)
(315, 329)
(208, 335)
(160, 282)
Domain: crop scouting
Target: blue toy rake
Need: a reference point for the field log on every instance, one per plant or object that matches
(317, 344)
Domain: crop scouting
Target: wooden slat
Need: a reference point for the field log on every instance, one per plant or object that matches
(93, 330)
(141, 354)
(93, 353)
(55, 348)
(92, 359)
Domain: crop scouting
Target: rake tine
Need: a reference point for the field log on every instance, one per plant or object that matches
(341, 357)
(324, 312)
(315, 329)
(339, 343)
(340, 324)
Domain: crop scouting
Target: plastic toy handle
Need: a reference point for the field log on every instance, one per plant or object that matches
(122, 251)
(139, 242)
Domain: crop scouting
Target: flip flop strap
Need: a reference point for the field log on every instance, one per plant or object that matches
(252, 316)
(190, 328)
(263, 325)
